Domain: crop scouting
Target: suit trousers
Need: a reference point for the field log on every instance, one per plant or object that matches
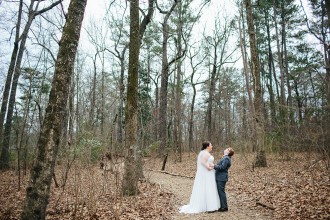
(222, 194)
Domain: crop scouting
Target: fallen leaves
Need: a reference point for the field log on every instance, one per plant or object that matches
(298, 188)
(90, 195)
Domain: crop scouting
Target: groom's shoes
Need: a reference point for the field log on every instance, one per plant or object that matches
(223, 210)
(212, 211)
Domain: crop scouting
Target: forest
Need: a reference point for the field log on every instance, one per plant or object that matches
(105, 105)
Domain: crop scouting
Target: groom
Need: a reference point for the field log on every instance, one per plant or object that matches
(221, 177)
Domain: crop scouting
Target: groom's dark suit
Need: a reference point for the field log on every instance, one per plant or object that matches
(221, 177)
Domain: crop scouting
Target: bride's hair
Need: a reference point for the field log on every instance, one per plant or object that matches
(205, 144)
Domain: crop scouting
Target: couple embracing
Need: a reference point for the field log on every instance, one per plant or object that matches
(208, 193)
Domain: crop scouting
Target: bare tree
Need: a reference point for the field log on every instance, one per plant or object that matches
(37, 195)
(130, 176)
(283, 112)
(246, 70)
(14, 74)
(217, 48)
(258, 102)
(164, 82)
(133, 162)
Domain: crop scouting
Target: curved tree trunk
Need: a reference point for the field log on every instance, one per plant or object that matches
(37, 195)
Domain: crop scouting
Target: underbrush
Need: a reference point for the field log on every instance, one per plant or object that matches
(89, 193)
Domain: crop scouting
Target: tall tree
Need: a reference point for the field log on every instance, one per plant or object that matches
(37, 193)
(120, 38)
(7, 107)
(164, 83)
(246, 71)
(327, 78)
(130, 176)
(177, 130)
(133, 163)
(283, 107)
(217, 47)
(258, 101)
(319, 27)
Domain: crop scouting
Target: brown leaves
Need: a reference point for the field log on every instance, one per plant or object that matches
(294, 195)
(90, 193)
(296, 189)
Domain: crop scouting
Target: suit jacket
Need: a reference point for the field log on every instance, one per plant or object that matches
(221, 169)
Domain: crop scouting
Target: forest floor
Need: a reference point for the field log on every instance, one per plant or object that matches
(295, 187)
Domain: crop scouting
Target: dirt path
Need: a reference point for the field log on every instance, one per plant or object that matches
(181, 187)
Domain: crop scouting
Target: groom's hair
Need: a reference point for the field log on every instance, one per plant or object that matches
(231, 151)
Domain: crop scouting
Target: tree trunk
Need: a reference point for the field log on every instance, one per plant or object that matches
(192, 107)
(327, 80)
(37, 195)
(12, 97)
(208, 121)
(8, 84)
(163, 148)
(68, 138)
(246, 74)
(258, 103)
(102, 111)
(131, 121)
(283, 113)
(290, 111)
(270, 78)
(14, 68)
(163, 95)
(93, 96)
(178, 92)
(121, 97)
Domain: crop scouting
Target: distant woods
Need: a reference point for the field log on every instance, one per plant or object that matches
(163, 82)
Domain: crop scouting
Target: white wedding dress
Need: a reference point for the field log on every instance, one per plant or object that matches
(204, 196)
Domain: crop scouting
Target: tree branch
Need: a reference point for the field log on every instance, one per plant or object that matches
(48, 8)
(147, 18)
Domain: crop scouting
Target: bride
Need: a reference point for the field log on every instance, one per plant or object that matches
(204, 196)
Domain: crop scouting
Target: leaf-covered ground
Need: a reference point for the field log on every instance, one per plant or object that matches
(295, 188)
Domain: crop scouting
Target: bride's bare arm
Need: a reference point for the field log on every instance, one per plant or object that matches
(204, 159)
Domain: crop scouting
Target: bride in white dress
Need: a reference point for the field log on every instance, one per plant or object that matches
(204, 196)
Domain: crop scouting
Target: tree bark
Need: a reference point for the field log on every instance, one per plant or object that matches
(163, 89)
(212, 80)
(289, 111)
(327, 79)
(246, 73)
(8, 83)
(270, 78)
(14, 69)
(37, 193)
(177, 133)
(258, 103)
(130, 174)
(283, 113)
(192, 106)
